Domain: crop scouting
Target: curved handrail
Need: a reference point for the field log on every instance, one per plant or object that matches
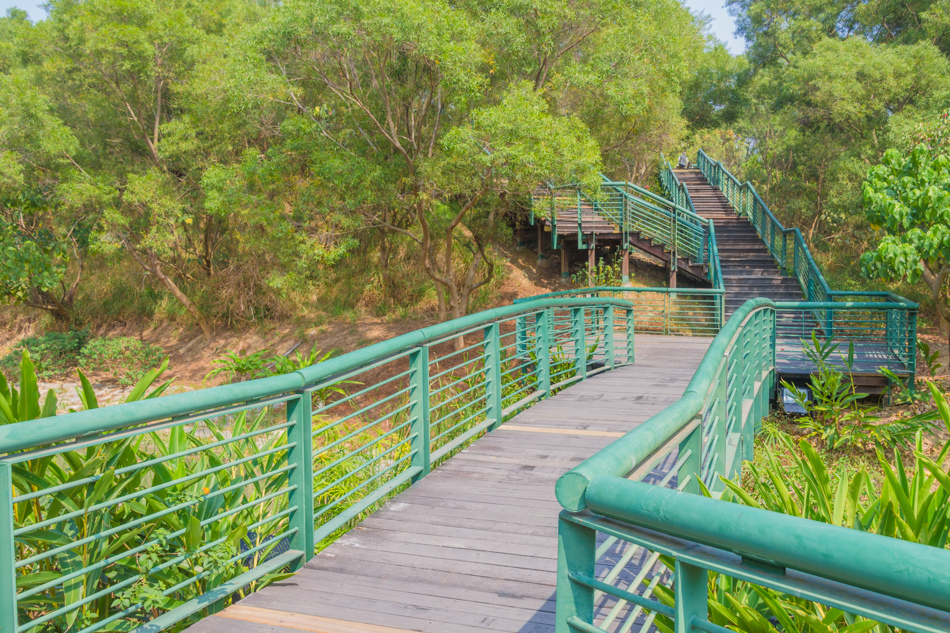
(622, 455)
(34, 433)
(293, 459)
(726, 398)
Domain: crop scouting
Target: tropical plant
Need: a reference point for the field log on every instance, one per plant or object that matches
(907, 503)
(835, 414)
(241, 365)
(604, 274)
(930, 357)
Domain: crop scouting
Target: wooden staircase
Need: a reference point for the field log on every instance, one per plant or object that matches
(748, 269)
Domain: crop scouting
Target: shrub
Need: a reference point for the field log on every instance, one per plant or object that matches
(127, 359)
(53, 354)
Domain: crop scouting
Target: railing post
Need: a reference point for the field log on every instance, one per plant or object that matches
(693, 466)
(300, 455)
(691, 587)
(419, 410)
(721, 425)
(609, 335)
(911, 346)
(576, 551)
(631, 349)
(580, 344)
(493, 385)
(542, 333)
(8, 607)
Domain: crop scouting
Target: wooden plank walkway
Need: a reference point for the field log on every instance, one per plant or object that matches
(472, 546)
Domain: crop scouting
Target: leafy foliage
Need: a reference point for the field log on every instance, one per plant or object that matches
(835, 414)
(907, 197)
(51, 354)
(905, 503)
(127, 359)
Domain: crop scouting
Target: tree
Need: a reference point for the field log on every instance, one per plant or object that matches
(43, 228)
(907, 197)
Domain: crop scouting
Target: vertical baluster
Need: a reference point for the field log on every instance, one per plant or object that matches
(580, 344)
(692, 468)
(691, 586)
(576, 549)
(8, 602)
(609, 335)
(630, 337)
(720, 415)
(300, 455)
(419, 410)
(542, 332)
(493, 386)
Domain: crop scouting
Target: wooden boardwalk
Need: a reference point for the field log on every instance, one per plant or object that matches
(472, 546)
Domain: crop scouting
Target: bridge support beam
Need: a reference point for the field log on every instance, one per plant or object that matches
(540, 240)
(672, 275)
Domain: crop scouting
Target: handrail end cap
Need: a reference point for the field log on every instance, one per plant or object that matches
(570, 491)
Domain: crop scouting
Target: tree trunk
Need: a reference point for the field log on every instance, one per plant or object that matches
(154, 266)
(936, 282)
(181, 296)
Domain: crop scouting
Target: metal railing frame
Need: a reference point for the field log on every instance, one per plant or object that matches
(575, 336)
(710, 431)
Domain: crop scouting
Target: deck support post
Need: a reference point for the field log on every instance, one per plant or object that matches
(576, 552)
(419, 410)
(691, 587)
(591, 261)
(672, 274)
(300, 437)
(493, 388)
(565, 263)
(540, 241)
(8, 610)
(625, 268)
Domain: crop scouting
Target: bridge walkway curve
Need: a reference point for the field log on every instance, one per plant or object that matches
(473, 546)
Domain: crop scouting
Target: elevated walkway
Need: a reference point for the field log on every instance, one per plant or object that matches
(748, 269)
(472, 547)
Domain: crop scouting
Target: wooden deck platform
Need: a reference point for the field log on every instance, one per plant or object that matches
(473, 546)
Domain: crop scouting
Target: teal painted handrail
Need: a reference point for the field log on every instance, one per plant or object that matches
(226, 485)
(679, 191)
(633, 209)
(687, 311)
(642, 491)
(800, 263)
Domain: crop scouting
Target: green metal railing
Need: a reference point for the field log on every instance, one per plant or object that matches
(145, 514)
(684, 311)
(787, 246)
(680, 193)
(634, 210)
(638, 500)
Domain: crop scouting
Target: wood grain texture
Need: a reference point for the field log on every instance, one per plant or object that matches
(472, 546)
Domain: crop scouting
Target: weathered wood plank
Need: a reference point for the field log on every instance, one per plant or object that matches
(473, 546)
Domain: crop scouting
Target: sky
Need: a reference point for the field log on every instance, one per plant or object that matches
(722, 23)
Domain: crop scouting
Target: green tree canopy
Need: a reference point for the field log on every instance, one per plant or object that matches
(907, 198)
